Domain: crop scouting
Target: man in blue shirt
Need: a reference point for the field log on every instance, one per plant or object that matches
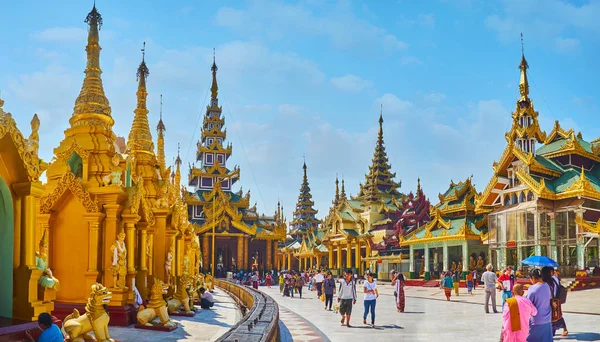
(50, 331)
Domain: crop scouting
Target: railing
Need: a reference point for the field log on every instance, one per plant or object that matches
(261, 315)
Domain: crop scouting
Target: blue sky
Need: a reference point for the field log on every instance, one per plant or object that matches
(309, 77)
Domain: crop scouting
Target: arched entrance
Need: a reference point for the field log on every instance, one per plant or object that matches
(7, 227)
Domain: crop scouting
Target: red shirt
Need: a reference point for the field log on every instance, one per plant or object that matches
(507, 281)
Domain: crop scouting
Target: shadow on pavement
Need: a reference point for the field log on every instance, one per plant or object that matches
(587, 336)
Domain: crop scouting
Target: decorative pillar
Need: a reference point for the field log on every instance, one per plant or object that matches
(240, 251)
(426, 262)
(159, 244)
(357, 262)
(348, 254)
(518, 263)
(94, 220)
(445, 264)
(130, 221)
(411, 258)
(465, 257)
(179, 254)
(289, 262)
(206, 253)
(553, 250)
(330, 259)
(311, 262)
(109, 236)
(246, 256)
(537, 248)
(339, 258)
(580, 242)
(269, 248)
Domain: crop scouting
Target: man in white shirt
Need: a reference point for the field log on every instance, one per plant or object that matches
(489, 280)
(347, 297)
(319, 278)
(206, 299)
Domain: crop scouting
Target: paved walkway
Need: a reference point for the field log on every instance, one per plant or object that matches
(426, 318)
(207, 325)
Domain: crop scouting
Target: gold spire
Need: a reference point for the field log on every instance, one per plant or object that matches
(140, 138)
(343, 195)
(92, 102)
(178, 169)
(214, 89)
(337, 190)
(161, 140)
(418, 184)
(523, 83)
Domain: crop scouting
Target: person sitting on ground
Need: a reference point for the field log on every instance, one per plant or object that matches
(517, 312)
(50, 331)
(206, 299)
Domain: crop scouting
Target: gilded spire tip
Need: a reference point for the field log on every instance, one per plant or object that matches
(94, 17)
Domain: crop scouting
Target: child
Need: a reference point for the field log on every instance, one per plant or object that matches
(470, 283)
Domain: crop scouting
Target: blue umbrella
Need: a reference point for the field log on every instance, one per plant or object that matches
(539, 261)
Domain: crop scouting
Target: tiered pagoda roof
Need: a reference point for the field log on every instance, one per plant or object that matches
(454, 218)
(564, 166)
(305, 235)
(213, 202)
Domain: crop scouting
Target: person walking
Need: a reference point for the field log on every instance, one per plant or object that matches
(540, 294)
(516, 315)
(371, 295)
(558, 321)
(268, 280)
(489, 282)
(318, 279)
(300, 285)
(255, 280)
(447, 285)
(329, 290)
(347, 297)
(456, 281)
(469, 283)
(398, 283)
(505, 283)
(474, 275)
(281, 283)
(292, 284)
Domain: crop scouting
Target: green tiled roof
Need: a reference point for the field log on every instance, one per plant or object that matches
(355, 204)
(347, 216)
(351, 232)
(551, 147)
(455, 224)
(548, 163)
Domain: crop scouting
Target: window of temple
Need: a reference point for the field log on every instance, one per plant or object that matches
(76, 165)
(221, 159)
(530, 196)
(522, 197)
(210, 141)
(513, 199)
(506, 200)
(206, 182)
(209, 158)
(210, 126)
(225, 184)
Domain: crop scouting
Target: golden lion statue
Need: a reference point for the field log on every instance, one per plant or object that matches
(156, 308)
(208, 280)
(180, 298)
(95, 319)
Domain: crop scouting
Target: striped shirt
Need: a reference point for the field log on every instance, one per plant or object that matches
(347, 290)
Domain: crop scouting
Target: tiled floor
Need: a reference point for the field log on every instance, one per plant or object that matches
(427, 318)
(299, 328)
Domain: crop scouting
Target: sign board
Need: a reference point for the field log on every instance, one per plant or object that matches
(510, 244)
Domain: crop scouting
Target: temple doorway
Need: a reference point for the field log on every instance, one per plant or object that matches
(7, 227)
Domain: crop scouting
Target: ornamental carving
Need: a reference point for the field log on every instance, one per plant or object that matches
(73, 184)
(64, 156)
(140, 200)
(34, 165)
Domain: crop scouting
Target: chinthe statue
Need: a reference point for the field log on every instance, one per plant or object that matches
(156, 308)
(95, 319)
(41, 260)
(181, 298)
(119, 261)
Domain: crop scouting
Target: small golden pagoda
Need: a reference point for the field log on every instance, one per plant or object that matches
(354, 224)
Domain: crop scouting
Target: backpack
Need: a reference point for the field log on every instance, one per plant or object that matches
(561, 292)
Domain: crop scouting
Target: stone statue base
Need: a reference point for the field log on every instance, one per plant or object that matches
(183, 313)
(121, 297)
(157, 327)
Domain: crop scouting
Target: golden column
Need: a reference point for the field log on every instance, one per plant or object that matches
(339, 256)
(269, 248)
(130, 221)
(289, 265)
(240, 251)
(330, 259)
(367, 253)
(109, 236)
(94, 220)
(311, 261)
(205, 252)
(348, 253)
(160, 246)
(357, 262)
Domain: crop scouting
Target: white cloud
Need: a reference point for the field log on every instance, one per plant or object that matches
(61, 34)
(427, 20)
(277, 20)
(393, 105)
(567, 45)
(351, 83)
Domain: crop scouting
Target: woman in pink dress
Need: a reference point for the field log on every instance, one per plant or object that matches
(525, 308)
